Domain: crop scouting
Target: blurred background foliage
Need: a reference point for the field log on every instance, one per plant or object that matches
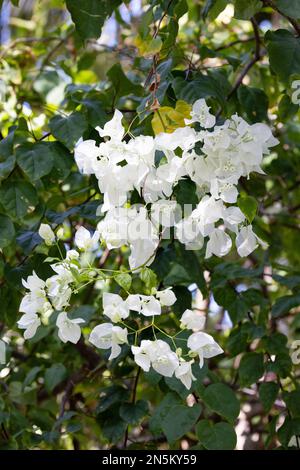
(65, 67)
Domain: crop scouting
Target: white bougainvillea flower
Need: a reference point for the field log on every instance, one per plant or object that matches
(204, 345)
(146, 305)
(72, 255)
(107, 336)
(165, 213)
(183, 137)
(233, 217)
(158, 354)
(163, 359)
(246, 241)
(141, 148)
(113, 128)
(35, 301)
(47, 234)
(166, 297)
(184, 373)
(224, 189)
(114, 307)
(219, 243)
(85, 241)
(207, 213)
(142, 252)
(33, 283)
(141, 354)
(68, 330)
(155, 187)
(86, 154)
(30, 323)
(192, 320)
(187, 231)
(200, 113)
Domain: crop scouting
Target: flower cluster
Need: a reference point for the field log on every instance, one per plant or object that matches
(214, 158)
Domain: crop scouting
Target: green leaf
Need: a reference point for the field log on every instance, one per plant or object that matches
(290, 7)
(169, 401)
(18, 198)
(287, 63)
(237, 340)
(7, 166)
(148, 277)
(7, 158)
(95, 110)
(36, 160)
(7, 231)
(132, 413)
(286, 109)
(148, 46)
(28, 240)
(292, 400)
(215, 85)
(68, 129)
(54, 375)
(221, 399)
(284, 304)
(114, 428)
(89, 15)
(179, 420)
(268, 392)
(124, 280)
(122, 85)
(245, 9)
(289, 429)
(251, 368)
(110, 396)
(31, 376)
(213, 8)
(220, 436)
(248, 206)
(254, 102)
(62, 161)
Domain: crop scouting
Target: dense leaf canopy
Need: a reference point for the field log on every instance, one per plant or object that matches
(154, 59)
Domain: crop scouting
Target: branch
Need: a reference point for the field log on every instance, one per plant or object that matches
(256, 58)
(234, 43)
(294, 23)
(251, 63)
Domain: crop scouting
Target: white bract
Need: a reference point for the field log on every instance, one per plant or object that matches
(166, 297)
(47, 234)
(204, 345)
(184, 373)
(114, 307)
(85, 241)
(30, 323)
(107, 336)
(157, 354)
(200, 113)
(247, 241)
(68, 330)
(192, 320)
(146, 305)
(202, 158)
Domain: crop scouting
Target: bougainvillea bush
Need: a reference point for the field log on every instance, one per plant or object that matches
(149, 225)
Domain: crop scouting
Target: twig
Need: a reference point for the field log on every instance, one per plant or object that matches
(161, 19)
(26, 41)
(234, 43)
(256, 58)
(294, 23)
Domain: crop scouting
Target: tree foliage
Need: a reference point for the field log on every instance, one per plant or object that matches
(57, 83)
